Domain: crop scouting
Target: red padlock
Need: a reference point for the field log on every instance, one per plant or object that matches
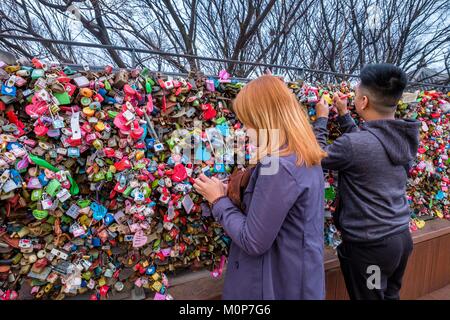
(123, 164)
(109, 152)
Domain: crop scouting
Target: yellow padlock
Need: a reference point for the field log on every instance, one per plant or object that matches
(101, 281)
(11, 69)
(157, 286)
(156, 276)
(140, 155)
(327, 98)
(88, 111)
(86, 92)
(85, 220)
(99, 126)
(97, 144)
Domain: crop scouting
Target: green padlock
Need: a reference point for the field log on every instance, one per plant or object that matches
(36, 195)
(127, 191)
(17, 258)
(139, 166)
(99, 176)
(87, 275)
(53, 187)
(112, 114)
(69, 71)
(63, 98)
(40, 214)
(171, 143)
(83, 203)
(85, 101)
(107, 85)
(148, 86)
(221, 120)
(147, 191)
(330, 194)
(66, 219)
(109, 176)
(37, 73)
(51, 220)
(155, 183)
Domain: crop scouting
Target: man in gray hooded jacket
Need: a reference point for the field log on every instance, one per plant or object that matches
(372, 163)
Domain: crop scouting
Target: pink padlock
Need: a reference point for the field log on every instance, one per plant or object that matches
(90, 138)
(129, 91)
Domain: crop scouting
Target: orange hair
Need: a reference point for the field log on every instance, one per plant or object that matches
(267, 103)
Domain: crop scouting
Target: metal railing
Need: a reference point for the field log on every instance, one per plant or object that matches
(133, 52)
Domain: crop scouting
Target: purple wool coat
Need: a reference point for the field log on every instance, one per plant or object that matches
(277, 243)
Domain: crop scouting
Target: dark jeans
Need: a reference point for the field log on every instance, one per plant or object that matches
(374, 271)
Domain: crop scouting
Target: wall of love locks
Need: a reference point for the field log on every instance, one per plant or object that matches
(94, 195)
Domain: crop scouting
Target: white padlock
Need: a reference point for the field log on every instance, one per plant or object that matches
(63, 195)
(47, 204)
(81, 82)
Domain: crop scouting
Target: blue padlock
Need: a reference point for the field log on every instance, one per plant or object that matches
(102, 92)
(144, 126)
(96, 242)
(98, 271)
(73, 152)
(150, 270)
(9, 91)
(43, 179)
(99, 211)
(219, 167)
(109, 218)
(110, 100)
(149, 143)
(15, 176)
(12, 145)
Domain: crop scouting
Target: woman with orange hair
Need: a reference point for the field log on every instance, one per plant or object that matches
(277, 231)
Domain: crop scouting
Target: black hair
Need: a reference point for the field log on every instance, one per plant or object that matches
(385, 84)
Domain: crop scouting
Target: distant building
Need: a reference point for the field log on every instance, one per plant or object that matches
(428, 75)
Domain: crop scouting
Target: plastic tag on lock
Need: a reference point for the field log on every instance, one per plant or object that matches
(188, 204)
(53, 187)
(75, 126)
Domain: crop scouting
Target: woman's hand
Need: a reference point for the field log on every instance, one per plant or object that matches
(322, 109)
(210, 189)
